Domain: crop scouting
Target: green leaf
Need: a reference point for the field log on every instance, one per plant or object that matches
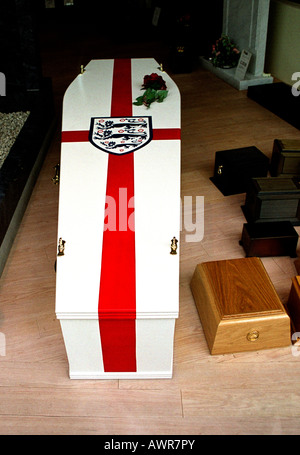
(139, 101)
(149, 96)
(161, 95)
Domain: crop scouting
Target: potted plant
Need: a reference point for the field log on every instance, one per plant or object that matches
(225, 53)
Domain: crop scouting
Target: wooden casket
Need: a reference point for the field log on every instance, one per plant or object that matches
(117, 285)
(238, 306)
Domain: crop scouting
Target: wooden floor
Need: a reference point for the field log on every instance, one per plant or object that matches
(246, 393)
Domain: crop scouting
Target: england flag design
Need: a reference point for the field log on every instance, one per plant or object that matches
(117, 287)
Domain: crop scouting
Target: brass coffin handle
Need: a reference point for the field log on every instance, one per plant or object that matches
(174, 244)
(61, 247)
(55, 179)
(161, 68)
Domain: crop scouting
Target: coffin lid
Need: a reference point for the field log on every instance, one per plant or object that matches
(83, 174)
(276, 186)
(242, 288)
(288, 145)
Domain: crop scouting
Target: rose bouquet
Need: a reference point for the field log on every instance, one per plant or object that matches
(155, 90)
(225, 53)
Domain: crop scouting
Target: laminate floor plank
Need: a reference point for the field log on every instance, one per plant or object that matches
(75, 402)
(179, 426)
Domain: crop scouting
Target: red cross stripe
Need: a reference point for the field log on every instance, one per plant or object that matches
(159, 134)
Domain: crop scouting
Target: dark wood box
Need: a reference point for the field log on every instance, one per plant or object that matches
(273, 199)
(234, 169)
(269, 239)
(293, 305)
(285, 161)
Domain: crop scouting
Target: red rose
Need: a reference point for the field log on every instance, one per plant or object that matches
(154, 81)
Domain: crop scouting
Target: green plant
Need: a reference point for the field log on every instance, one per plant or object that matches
(225, 53)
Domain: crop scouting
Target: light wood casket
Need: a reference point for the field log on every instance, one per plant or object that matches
(117, 289)
(238, 306)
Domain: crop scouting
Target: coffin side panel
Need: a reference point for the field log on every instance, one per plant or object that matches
(205, 302)
(252, 334)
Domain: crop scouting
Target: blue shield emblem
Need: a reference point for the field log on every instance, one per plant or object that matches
(120, 135)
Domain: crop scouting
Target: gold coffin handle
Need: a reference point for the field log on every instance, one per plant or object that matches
(55, 179)
(174, 245)
(61, 247)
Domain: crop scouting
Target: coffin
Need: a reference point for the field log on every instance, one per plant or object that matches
(273, 199)
(238, 306)
(234, 169)
(285, 160)
(117, 288)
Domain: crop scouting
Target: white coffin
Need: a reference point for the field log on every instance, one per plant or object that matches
(146, 325)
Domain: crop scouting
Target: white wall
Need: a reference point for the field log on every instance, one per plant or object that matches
(283, 43)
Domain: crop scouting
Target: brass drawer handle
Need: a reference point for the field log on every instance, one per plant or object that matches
(253, 335)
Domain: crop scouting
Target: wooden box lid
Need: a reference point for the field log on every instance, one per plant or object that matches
(274, 186)
(288, 145)
(244, 157)
(238, 306)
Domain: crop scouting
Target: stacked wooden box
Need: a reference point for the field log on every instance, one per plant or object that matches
(237, 304)
(274, 202)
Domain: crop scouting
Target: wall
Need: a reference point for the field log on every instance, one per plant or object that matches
(283, 43)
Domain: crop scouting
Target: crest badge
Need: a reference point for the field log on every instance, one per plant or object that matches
(120, 135)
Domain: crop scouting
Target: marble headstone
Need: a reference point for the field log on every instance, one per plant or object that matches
(246, 23)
